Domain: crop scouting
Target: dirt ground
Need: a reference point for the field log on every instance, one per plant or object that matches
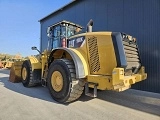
(20, 103)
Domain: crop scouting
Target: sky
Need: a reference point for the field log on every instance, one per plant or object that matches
(19, 26)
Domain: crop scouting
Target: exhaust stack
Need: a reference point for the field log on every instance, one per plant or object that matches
(89, 26)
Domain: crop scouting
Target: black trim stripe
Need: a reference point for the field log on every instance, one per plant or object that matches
(119, 50)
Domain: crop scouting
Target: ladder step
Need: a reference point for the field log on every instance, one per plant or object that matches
(94, 94)
(43, 82)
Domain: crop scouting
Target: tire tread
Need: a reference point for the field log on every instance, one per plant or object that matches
(77, 85)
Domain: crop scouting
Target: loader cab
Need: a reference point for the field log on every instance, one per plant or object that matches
(60, 32)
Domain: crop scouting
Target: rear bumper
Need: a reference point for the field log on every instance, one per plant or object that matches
(121, 82)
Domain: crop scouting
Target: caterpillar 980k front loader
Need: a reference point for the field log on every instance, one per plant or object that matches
(74, 60)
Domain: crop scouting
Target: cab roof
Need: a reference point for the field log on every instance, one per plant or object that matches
(66, 22)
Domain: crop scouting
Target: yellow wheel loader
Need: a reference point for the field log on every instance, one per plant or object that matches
(74, 60)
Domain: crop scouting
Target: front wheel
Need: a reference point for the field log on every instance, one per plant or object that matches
(62, 82)
(26, 74)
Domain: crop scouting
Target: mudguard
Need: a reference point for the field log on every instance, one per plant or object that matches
(79, 61)
(35, 63)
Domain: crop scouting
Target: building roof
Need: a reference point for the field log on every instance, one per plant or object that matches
(60, 9)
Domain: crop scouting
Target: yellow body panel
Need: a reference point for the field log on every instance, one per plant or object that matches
(85, 64)
(104, 82)
(106, 52)
(117, 82)
(35, 63)
(121, 82)
(107, 76)
(44, 65)
(117, 75)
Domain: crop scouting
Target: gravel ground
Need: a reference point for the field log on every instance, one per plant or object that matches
(20, 103)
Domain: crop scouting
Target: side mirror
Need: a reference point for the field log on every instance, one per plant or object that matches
(35, 48)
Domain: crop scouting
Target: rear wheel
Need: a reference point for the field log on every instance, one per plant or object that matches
(62, 82)
(26, 74)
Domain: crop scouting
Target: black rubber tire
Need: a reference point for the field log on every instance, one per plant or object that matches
(72, 88)
(28, 81)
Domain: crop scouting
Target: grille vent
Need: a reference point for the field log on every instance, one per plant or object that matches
(93, 53)
(132, 56)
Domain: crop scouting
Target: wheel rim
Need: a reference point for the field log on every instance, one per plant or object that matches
(24, 73)
(57, 81)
